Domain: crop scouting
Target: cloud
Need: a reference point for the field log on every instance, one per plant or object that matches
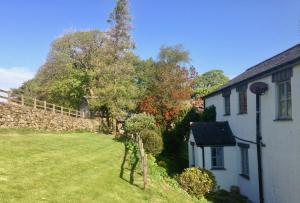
(14, 77)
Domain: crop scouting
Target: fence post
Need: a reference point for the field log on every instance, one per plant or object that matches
(83, 114)
(34, 103)
(45, 105)
(53, 108)
(62, 110)
(22, 100)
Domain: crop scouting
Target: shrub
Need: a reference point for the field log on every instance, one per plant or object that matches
(197, 182)
(152, 141)
(138, 122)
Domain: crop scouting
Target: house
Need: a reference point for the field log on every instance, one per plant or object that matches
(255, 143)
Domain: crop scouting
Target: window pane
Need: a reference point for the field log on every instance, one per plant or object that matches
(289, 108)
(282, 108)
(281, 91)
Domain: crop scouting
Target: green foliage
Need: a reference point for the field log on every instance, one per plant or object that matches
(223, 196)
(209, 114)
(170, 89)
(174, 54)
(208, 82)
(138, 122)
(133, 149)
(152, 141)
(197, 182)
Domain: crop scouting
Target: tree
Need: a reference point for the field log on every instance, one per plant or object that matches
(208, 82)
(65, 77)
(113, 84)
(170, 89)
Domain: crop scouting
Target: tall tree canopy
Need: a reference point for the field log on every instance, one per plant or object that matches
(113, 84)
(208, 82)
(170, 88)
(65, 77)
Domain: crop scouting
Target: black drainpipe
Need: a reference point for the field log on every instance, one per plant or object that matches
(258, 89)
(258, 147)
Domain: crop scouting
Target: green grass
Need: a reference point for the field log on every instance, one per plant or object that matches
(71, 167)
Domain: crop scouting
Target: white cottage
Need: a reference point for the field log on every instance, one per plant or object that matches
(259, 151)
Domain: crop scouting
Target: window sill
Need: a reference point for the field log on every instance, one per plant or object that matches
(283, 119)
(218, 169)
(245, 176)
(242, 113)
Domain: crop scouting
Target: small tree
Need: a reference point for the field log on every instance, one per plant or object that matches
(197, 182)
(139, 122)
(153, 142)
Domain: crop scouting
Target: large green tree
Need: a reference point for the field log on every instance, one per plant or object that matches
(113, 87)
(65, 77)
(208, 82)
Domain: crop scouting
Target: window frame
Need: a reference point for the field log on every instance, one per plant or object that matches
(219, 158)
(244, 152)
(286, 98)
(227, 105)
(243, 102)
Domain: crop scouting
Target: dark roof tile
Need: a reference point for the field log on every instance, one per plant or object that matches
(283, 58)
(213, 134)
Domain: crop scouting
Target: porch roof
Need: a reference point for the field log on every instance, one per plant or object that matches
(213, 134)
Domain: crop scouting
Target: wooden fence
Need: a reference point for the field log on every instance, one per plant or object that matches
(38, 104)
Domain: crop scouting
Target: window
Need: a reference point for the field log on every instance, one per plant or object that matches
(193, 153)
(284, 100)
(227, 105)
(244, 160)
(226, 95)
(284, 97)
(217, 158)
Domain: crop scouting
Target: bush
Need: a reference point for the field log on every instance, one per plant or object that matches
(138, 122)
(197, 182)
(152, 141)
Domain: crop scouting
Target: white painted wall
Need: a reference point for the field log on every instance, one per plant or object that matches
(225, 178)
(281, 156)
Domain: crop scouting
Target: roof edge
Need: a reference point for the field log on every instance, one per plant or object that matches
(265, 74)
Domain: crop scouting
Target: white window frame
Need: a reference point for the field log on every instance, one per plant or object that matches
(219, 158)
(244, 161)
(286, 100)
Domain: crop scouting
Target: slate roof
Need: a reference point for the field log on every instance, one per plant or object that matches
(284, 58)
(213, 134)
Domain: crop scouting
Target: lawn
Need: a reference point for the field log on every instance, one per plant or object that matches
(71, 167)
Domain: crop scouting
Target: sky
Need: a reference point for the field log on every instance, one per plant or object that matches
(231, 35)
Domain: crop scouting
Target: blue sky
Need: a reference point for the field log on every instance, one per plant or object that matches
(226, 34)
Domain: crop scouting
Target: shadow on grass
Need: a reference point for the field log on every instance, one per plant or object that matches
(125, 160)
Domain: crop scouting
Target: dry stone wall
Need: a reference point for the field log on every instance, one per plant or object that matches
(17, 116)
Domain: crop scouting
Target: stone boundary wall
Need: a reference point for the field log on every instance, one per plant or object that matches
(17, 116)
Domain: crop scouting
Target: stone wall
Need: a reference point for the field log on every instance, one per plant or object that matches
(17, 116)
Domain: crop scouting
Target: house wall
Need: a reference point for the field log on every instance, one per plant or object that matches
(281, 156)
(225, 178)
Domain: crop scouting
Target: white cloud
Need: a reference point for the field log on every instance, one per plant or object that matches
(14, 77)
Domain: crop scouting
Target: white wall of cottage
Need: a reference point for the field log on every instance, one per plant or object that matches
(280, 157)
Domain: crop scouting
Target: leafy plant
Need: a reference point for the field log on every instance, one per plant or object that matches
(197, 182)
(152, 141)
(138, 122)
